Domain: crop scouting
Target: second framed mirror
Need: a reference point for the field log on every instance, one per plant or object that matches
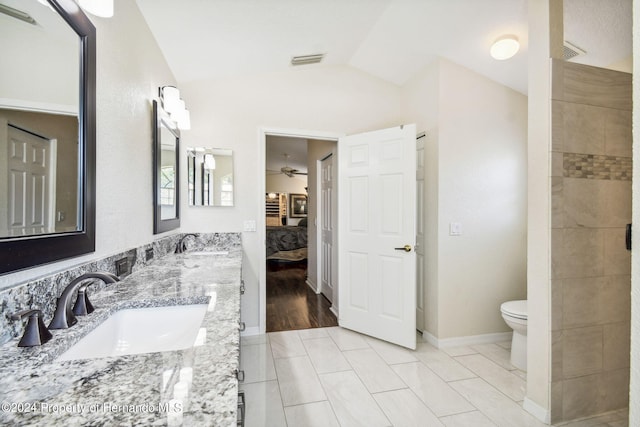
(210, 176)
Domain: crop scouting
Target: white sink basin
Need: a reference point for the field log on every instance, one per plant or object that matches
(141, 330)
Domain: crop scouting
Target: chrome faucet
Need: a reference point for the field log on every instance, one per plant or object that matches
(64, 316)
(182, 246)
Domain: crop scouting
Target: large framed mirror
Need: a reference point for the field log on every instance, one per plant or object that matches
(210, 176)
(47, 133)
(166, 183)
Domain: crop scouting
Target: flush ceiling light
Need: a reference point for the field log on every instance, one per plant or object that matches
(505, 47)
(101, 8)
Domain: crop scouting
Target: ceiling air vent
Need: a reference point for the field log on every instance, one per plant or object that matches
(571, 51)
(307, 59)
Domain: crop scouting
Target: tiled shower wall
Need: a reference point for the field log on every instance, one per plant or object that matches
(590, 266)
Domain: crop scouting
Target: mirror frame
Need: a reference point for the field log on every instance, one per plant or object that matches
(159, 118)
(17, 253)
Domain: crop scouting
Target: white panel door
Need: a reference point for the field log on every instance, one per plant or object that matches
(328, 221)
(420, 232)
(376, 213)
(31, 190)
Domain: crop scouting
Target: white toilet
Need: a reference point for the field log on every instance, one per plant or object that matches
(514, 314)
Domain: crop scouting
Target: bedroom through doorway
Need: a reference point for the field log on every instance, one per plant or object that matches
(294, 298)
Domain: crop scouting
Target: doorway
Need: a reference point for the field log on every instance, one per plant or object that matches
(377, 166)
(293, 268)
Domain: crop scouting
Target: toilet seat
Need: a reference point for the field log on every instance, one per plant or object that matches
(517, 309)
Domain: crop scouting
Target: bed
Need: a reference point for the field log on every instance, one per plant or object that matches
(287, 242)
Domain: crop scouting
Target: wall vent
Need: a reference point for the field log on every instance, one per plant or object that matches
(307, 59)
(571, 51)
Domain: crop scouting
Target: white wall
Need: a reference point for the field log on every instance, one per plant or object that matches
(130, 67)
(281, 183)
(482, 185)
(480, 160)
(230, 114)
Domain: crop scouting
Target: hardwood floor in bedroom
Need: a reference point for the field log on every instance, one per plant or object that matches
(291, 303)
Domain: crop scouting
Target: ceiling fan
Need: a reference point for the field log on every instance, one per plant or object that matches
(289, 171)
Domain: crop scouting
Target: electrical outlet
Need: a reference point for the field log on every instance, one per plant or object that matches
(148, 254)
(122, 267)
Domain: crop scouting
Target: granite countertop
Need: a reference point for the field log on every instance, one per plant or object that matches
(136, 389)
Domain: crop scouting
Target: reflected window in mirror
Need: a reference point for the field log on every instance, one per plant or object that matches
(166, 187)
(210, 176)
(47, 133)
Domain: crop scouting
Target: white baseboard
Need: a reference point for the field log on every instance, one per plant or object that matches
(468, 340)
(536, 410)
(312, 286)
(334, 311)
(250, 330)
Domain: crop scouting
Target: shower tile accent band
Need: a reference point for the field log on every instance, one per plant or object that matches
(593, 166)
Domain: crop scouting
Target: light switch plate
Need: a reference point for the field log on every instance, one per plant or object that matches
(455, 229)
(250, 225)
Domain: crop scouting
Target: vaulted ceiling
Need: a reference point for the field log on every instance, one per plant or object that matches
(390, 39)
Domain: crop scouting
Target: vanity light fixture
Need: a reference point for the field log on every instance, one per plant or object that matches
(170, 96)
(209, 162)
(175, 106)
(505, 47)
(182, 116)
(100, 8)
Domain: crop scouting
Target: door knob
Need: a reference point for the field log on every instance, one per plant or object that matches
(406, 248)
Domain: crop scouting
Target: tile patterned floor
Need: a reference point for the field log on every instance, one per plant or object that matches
(335, 377)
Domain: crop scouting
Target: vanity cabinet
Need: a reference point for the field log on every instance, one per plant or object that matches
(211, 276)
(240, 374)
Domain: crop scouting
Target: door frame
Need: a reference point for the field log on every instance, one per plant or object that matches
(263, 132)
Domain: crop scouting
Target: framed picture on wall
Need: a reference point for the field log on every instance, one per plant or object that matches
(298, 206)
